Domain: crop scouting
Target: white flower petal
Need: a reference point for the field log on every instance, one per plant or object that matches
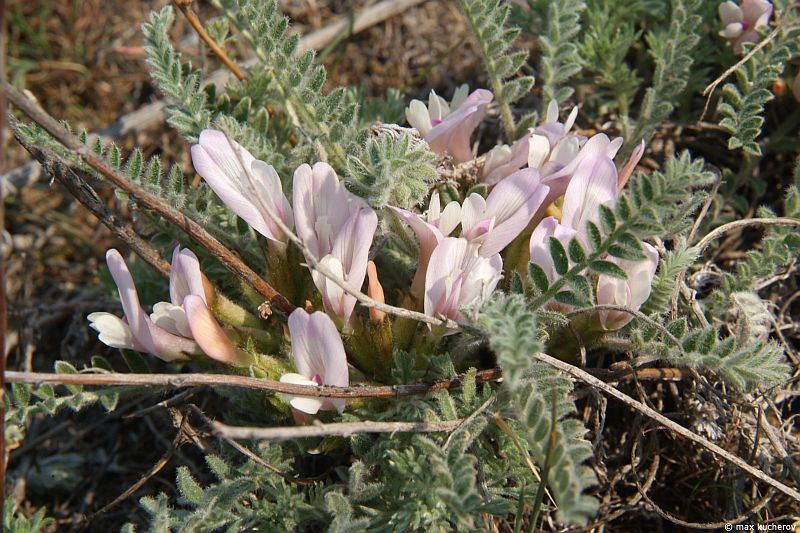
(112, 330)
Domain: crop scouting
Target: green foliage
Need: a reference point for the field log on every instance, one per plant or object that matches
(190, 112)
(742, 103)
(424, 486)
(16, 522)
(669, 267)
(487, 19)
(27, 401)
(539, 394)
(658, 205)
(609, 36)
(561, 58)
(744, 366)
(289, 79)
(391, 170)
(250, 496)
(672, 51)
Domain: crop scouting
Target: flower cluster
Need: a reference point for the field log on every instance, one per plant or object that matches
(742, 21)
(460, 244)
(175, 330)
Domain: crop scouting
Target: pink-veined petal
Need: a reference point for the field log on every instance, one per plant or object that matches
(517, 160)
(473, 211)
(329, 343)
(209, 335)
(322, 206)
(594, 183)
(452, 135)
(513, 202)
(538, 151)
(457, 272)
(216, 161)
(271, 201)
(335, 300)
(307, 404)
(318, 350)
(352, 245)
(137, 319)
(540, 244)
(631, 292)
(756, 12)
(184, 276)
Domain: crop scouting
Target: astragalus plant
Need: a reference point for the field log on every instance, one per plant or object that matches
(469, 271)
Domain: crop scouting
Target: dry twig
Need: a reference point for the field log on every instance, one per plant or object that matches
(736, 224)
(152, 202)
(587, 378)
(185, 7)
(340, 429)
(56, 167)
(708, 91)
(224, 380)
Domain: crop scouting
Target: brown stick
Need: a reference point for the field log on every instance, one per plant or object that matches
(341, 429)
(587, 378)
(721, 230)
(186, 8)
(150, 201)
(709, 90)
(59, 169)
(223, 380)
(3, 304)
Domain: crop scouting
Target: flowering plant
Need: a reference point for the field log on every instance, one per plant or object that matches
(415, 302)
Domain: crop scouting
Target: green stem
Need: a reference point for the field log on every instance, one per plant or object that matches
(233, 314)
(548, 458)
(491, 69)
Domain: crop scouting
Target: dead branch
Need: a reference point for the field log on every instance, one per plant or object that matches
(587, 378)
(148, 200)
(224, 380)
(340, 429)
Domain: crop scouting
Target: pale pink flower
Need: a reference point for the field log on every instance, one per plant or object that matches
(540, 244)
(424, 118)
(548, 148)
(741, 21)
(458, 276)
(631, 292)
(337, 227)
(502, 160)
(430, 230)
(320, 360)
(174, 330)
(552, 129)
(593, 183)
(494, 222)
(447, 129)
(558, 176)
(256, 196)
